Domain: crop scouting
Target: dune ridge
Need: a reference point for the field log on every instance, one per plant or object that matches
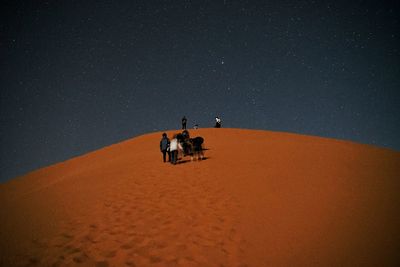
(259, 199)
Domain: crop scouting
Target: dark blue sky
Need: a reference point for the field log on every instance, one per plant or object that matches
(80, 75)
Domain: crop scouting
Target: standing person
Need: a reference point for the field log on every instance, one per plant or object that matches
(164, 147)
(173, 149)
(217, 122)
(184, 120)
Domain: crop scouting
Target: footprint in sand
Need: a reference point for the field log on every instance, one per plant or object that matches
(128, 245)
(67, 236)
(155, 259)
(130, 263)
(109, 254)
(80, 258)
(102, 264)
(71, 250)
(90, 238)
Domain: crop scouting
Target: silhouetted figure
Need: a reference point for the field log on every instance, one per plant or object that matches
(184, 120)
(164, 147)
(183, 139)
(185, 134)
(217, 122)
(197, 148)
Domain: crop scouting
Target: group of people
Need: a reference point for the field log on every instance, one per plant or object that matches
(181, 144)
(170, 148)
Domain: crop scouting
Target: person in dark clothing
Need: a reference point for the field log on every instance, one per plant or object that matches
(183, 138)
(184, 120)
(164, 147)
(197, 146)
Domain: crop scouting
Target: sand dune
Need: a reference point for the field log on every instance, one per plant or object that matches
(259, 199)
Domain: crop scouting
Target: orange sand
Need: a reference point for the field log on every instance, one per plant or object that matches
(259, 199)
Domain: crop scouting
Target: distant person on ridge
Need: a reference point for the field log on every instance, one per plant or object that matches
(164, 147)
(173, 149)
(217, 122)
(184, 120)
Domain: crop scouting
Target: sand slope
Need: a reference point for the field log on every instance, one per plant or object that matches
(259, 199)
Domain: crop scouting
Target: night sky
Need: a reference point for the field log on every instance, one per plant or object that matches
(79, 75)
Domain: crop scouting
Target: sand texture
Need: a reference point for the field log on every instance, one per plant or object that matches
(258, 199)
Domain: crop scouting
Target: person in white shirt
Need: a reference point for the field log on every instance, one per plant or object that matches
(174, 146)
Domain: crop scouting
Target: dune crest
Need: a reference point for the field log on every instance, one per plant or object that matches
(259, 199)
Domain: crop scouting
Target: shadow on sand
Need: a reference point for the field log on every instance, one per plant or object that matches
(188, 160)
